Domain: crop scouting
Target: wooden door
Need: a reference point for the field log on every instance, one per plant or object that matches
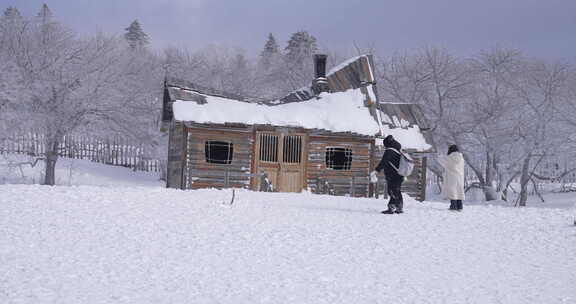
(281, 157)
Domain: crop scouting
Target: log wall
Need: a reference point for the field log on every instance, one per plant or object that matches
(321, 179)
(201, 174)
(415, 184)
(176, 156)
(190, 170)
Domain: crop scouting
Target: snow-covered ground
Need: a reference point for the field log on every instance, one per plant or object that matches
(552, 198)
(72, 172)
(147, 244)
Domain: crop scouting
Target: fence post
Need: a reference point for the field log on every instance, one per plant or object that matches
(134, 156)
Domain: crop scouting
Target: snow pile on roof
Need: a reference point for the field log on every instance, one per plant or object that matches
(393, 120)
(336, 112)
(409, 138)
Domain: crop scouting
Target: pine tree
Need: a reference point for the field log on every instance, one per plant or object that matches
(10, 22)
(12, 13)
(271, 51)
(45, 14)
(46, 23)
(135, 36)
(300, 48)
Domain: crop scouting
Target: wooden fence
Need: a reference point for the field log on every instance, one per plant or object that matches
(111, 151)
(548, 168)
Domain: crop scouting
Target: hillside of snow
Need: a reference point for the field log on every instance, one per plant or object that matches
(90, 244)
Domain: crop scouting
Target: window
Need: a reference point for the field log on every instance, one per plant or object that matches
(292, 149)
(338, 158)
(218, 152)
(268, 147)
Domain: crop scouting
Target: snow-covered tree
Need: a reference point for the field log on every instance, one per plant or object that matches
(491, 110)
(442, 84)
(270, 54)
(10, 23)
(137, 39)
(12, 12)
(540, 87)
(566, 107)
(300, 48)
(297, 68)
(240, 76)
(137, 99)
(498, 106)
(183, 64)
(64, 80)
(45, 14)
(11, 84)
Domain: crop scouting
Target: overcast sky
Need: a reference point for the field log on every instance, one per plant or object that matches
(540, 28)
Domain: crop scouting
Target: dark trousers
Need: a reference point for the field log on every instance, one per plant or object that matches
(394, 192)
(455, 204)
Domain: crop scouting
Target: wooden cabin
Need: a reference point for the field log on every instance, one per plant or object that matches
(325, 138)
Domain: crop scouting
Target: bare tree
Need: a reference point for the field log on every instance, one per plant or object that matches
(491, 109)
(542, 86)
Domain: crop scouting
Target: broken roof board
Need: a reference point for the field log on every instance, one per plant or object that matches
(351, 74)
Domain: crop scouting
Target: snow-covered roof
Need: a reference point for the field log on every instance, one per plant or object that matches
(336, 112)
(410, 137)
(351, 107)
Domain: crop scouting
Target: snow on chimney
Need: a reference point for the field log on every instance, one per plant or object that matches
(320, 83)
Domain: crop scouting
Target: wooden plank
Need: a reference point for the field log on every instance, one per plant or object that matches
(339, 139)
(203, 185)
(423, 178)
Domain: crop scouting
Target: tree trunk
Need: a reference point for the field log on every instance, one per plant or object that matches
(51, 158)
(489, 191)
(507, 185)
(488, 173)
(499, 175)
(524, 179)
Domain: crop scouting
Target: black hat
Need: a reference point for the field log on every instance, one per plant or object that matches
(453, 148)
(388, 140)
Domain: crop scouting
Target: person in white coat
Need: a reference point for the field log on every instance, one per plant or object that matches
(453, 185)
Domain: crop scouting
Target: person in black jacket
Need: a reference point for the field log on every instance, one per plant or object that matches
(390, 161)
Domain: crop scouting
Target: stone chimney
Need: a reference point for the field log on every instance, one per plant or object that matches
(320, 83)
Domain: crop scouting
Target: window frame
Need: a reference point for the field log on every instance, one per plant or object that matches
(207, 153)
(348, 155)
